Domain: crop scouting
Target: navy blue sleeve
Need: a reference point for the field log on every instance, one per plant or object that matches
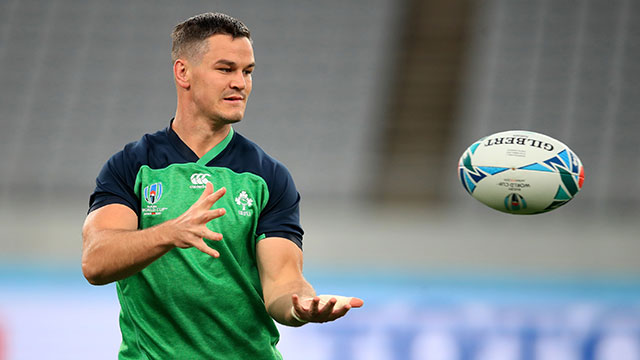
(115, 183)
(281, 215)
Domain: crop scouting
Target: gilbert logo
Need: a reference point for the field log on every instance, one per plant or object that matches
(199, 181)
(245, 201)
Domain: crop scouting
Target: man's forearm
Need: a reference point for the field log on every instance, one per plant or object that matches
(113, 249)
(111, 254)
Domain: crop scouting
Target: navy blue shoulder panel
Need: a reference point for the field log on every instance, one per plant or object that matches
(116, 181)
(281, 215)
(279, 218)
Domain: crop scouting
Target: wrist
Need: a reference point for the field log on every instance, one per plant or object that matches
(166, 234)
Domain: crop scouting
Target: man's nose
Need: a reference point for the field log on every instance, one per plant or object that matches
(238, 81)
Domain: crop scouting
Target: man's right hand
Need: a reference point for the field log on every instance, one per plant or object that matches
(191, 227)
(113, 247)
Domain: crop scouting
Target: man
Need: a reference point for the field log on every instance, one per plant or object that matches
(195, 282)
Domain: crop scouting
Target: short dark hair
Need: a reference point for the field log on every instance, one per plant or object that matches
(188, 36)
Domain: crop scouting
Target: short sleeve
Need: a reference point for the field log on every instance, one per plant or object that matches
(115, 183)
(281, 215)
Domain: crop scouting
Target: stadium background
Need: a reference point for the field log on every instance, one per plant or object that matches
(370, 104)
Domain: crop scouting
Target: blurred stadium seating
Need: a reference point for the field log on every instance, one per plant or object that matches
(443, 277)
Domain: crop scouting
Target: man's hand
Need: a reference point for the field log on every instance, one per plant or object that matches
(113, 248)
(322, 308)
(192, 225)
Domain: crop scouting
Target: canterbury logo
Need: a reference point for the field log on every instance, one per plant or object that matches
(199, 179)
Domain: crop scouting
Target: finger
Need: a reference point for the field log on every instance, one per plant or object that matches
(356, 302)
(208, 190)
(212, 198)
(328, 306)
(211, 235)
(339, 313)
(295, 300)
(343, 300)
(213, 214)
(202, 246)
(315, 303)
(297, 311)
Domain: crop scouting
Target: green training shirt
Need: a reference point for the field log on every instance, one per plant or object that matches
(187, 304)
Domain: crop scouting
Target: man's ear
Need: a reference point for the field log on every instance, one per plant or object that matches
(181, 73)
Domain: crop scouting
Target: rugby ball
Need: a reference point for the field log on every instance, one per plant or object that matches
(521, 172)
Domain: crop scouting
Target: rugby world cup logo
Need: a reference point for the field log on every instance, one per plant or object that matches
(515, 202)
(153, 193)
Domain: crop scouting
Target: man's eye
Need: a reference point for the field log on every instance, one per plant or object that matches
(248, 72)
(225, 69)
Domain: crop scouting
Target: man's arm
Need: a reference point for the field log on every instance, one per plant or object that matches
(288, 297)
(113, 248)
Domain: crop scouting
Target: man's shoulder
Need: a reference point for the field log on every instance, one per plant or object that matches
(148, 141)
(248, 156)
(139, 151)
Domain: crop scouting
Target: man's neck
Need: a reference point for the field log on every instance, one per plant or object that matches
(200, 135)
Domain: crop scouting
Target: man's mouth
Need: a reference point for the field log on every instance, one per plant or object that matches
(234, 98)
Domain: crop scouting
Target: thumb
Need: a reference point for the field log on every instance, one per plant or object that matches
(342, 301)
(356, 302)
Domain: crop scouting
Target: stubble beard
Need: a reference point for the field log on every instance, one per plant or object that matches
(218, 120)
(229, 120)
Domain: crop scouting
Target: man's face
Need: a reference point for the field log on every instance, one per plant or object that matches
(221, 81)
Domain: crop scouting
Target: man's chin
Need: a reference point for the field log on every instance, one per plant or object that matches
(228, 120)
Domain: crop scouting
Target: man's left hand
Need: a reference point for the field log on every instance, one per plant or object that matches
(322, 308)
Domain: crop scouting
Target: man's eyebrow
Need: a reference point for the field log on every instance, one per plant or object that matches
(233, 63)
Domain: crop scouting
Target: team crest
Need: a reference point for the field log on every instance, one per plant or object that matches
(152, 193)
(246, 202)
